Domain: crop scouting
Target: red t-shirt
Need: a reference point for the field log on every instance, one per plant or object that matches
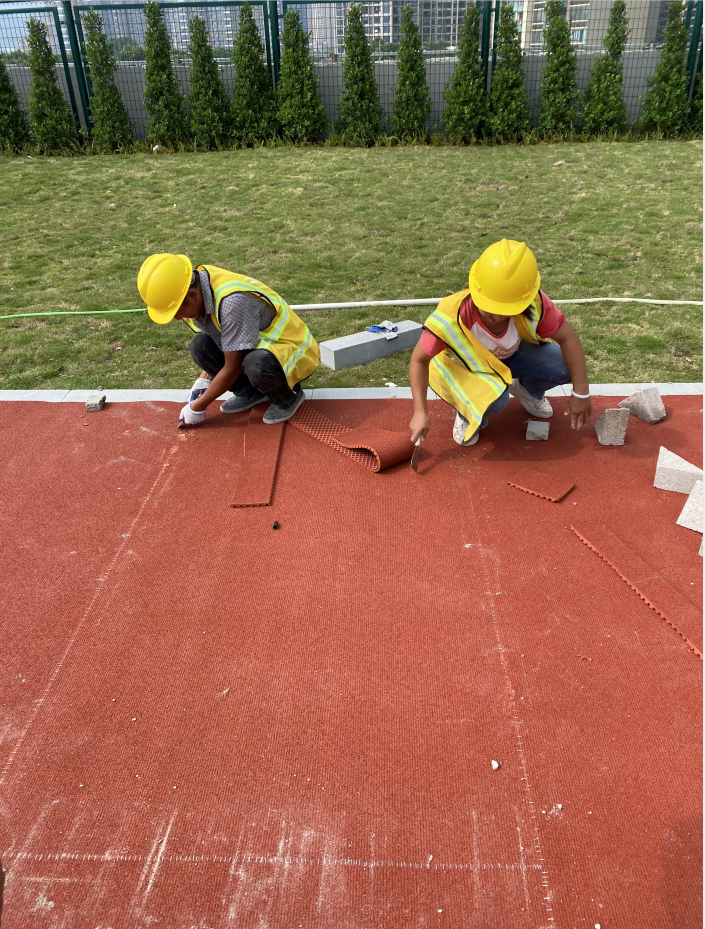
(504, 345)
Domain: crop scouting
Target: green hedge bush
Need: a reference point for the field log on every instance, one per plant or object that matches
(254, 107)
(465, 115)
(163, 102)
(209, 106)
(559, 79)
(412, 104)
(359, 110)
(665, 105)
(604, 109)
(52, 125)
(111, 124)
(300, 110)
(509, 109)
(14, 131)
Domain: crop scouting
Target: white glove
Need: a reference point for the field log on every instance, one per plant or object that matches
(191, 417)
(200, 386)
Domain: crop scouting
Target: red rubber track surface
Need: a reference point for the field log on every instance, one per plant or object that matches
(207, 723)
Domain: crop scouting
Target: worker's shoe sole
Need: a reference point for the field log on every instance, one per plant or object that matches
(240, 403)
(279, 413)
(539, 408)
(459, 427)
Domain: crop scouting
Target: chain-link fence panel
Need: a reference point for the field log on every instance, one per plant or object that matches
(125, 27)
(438, 22)
(14, 50)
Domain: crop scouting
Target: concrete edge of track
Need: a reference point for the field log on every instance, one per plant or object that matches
(322, 393)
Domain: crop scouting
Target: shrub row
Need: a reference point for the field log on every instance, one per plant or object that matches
(295, 113)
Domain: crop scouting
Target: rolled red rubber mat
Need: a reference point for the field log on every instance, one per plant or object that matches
(372, 447)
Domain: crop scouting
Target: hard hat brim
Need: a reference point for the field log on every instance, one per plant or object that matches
(161, 316)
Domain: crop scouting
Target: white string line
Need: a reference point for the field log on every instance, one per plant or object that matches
(432, 301)
(325, 860)
(39, 702)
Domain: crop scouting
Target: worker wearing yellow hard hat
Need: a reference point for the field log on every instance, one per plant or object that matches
(247, 338)
(501, 336)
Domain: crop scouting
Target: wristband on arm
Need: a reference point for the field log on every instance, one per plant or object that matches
(580, 396)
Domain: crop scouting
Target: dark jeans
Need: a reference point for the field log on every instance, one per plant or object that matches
(261, 369)
(538, 367)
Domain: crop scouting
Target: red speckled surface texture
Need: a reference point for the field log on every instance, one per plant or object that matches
(206, 723)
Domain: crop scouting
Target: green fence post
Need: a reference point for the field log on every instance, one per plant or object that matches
(77, 62)
(486, 19)
(695, 40)
(276, 48)
(65, 61)
(267, 41)
(494, 35)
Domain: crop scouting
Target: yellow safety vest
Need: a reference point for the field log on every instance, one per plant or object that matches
(288, 338)
(466, 374)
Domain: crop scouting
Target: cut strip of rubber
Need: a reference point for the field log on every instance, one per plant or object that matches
(653, 589)
(261, 448)
(369, 446)
(541, 485)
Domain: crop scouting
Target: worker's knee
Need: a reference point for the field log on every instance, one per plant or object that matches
(206, 353)
(260, 366)
(497, 405)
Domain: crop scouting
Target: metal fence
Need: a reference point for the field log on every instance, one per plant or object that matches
(325, 21)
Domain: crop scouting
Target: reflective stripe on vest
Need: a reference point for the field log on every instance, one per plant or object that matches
(287, 337)
(466, 374)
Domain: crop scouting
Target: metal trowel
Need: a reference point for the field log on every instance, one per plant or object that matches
(415, 457)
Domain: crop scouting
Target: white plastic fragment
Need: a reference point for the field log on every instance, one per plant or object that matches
(701, 549)
(675, 473)
(495, 765)
(645, 404)
(692, 513)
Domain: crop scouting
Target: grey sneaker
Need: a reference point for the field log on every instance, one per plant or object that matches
(459, 427)
(541, 408)
(280, 412)
(238, 403)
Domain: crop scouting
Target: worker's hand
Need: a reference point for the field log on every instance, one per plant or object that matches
(579, 410)
(200, 386)
(419, 425)
(190, 417)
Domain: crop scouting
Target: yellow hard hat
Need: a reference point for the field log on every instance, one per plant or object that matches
(505, 278)
(163, 282)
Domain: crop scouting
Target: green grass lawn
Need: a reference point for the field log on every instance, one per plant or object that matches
(326, 225)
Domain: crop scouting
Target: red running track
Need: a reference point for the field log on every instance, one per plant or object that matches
(207, 723)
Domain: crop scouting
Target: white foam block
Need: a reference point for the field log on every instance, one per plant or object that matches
(692, 513)
(675, 473)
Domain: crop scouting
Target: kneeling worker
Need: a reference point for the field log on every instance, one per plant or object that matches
(248, 340)
(483, 344)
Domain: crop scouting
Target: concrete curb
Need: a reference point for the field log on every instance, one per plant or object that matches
(323, 393)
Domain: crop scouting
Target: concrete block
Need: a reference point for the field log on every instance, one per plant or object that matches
(675, 473)
(95, 402)
(692, 513)
(362, 347)
(611, 427)
(536, 430)
(646, 405)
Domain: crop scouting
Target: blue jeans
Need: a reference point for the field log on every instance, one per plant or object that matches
(538, 368)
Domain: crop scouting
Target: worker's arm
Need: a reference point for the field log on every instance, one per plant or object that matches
(418, 378)
(574, 357)
(223, 381)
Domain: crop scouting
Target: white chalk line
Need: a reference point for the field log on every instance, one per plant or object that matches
(517, 722)
(39, 702)
(324, 860)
